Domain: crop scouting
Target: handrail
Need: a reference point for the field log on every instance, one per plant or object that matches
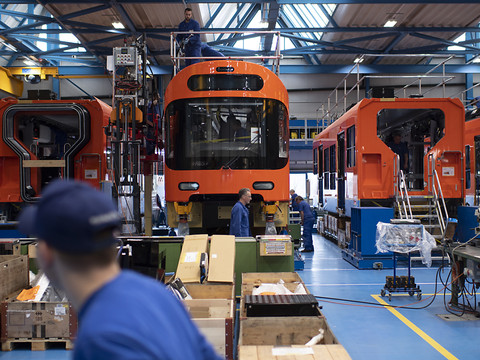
(437, 204)
(176, 59)
(403, 188)
(333, 104)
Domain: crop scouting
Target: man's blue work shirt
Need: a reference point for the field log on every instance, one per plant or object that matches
(239, 224)
(307, 212)
(294, 203)
(194, 40)
(135, 317)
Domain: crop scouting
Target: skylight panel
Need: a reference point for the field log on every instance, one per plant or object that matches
(457, 40)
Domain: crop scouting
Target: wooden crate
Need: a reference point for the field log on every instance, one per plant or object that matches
(213, 310)
(13, 274)
(285, 330)
(253, 280)
(25, 321)
(215, 318)
(211, 291)
(316, 352)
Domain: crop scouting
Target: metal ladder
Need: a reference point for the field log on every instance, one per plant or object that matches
(402, 199)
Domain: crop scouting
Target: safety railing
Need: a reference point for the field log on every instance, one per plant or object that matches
(340, 93)
(439, 200)
(177, 56)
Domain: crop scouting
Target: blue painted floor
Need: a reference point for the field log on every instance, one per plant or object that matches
(366, 333)
(373, 333)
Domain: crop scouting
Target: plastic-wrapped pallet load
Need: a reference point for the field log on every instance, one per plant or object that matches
(405, 238)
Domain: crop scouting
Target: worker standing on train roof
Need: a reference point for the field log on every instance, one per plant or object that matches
(307, 221)
(192, 42)
(239, 223)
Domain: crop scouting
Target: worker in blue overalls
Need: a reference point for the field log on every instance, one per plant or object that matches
(192, 41)
(239, 223)
(307, 221)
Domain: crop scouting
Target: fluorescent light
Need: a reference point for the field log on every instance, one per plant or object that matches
(118, 25)
(29, 62)
(390, 23)
(358, 60)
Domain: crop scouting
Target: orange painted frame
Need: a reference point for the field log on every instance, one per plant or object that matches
(226, 181)
(379, 184)
(9, 161)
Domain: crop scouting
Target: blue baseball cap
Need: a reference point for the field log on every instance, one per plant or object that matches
(72, 217)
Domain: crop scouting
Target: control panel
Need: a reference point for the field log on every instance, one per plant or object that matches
(125, 56)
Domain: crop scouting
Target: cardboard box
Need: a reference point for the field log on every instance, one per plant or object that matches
(188, 269)
(37, 320)
(316, 352)
(221, 264)
(13, 274)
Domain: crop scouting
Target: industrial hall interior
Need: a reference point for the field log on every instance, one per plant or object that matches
(230, 179)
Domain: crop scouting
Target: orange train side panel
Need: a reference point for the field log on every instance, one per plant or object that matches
(10, 164)
(375, 160)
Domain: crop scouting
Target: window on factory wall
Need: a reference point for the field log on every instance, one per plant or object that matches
(351, 146)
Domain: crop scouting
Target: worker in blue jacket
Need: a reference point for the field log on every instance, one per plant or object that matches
(121, 314)
(307, 221)
(239, 223)
(293, 195)
(193, 44)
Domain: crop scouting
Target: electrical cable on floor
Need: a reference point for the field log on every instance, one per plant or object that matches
(377, 305)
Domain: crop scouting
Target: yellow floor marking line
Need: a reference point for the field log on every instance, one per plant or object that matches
(417, 330)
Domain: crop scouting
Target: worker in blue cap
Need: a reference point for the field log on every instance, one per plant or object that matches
(122, 314)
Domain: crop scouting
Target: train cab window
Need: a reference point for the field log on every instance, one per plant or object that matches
(351, 146)
(326, 168)
(236, 133)
(219, 82)
(411, 133)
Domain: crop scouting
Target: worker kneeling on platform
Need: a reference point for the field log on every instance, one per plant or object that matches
(122, 314)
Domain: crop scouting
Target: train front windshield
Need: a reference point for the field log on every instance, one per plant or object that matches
(236, 133)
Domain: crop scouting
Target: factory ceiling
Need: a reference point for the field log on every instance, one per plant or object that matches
(313, 32)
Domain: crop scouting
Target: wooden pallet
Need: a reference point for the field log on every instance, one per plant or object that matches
(37, 344)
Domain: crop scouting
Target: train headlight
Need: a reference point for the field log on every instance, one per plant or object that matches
(263, 185)
(188, 186)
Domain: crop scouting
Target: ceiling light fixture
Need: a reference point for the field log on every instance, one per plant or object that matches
(358, 60)
(390, 23)
(118, 25)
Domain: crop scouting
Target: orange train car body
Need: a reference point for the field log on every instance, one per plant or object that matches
(356, 164)
(47, 139)
(226, 128)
